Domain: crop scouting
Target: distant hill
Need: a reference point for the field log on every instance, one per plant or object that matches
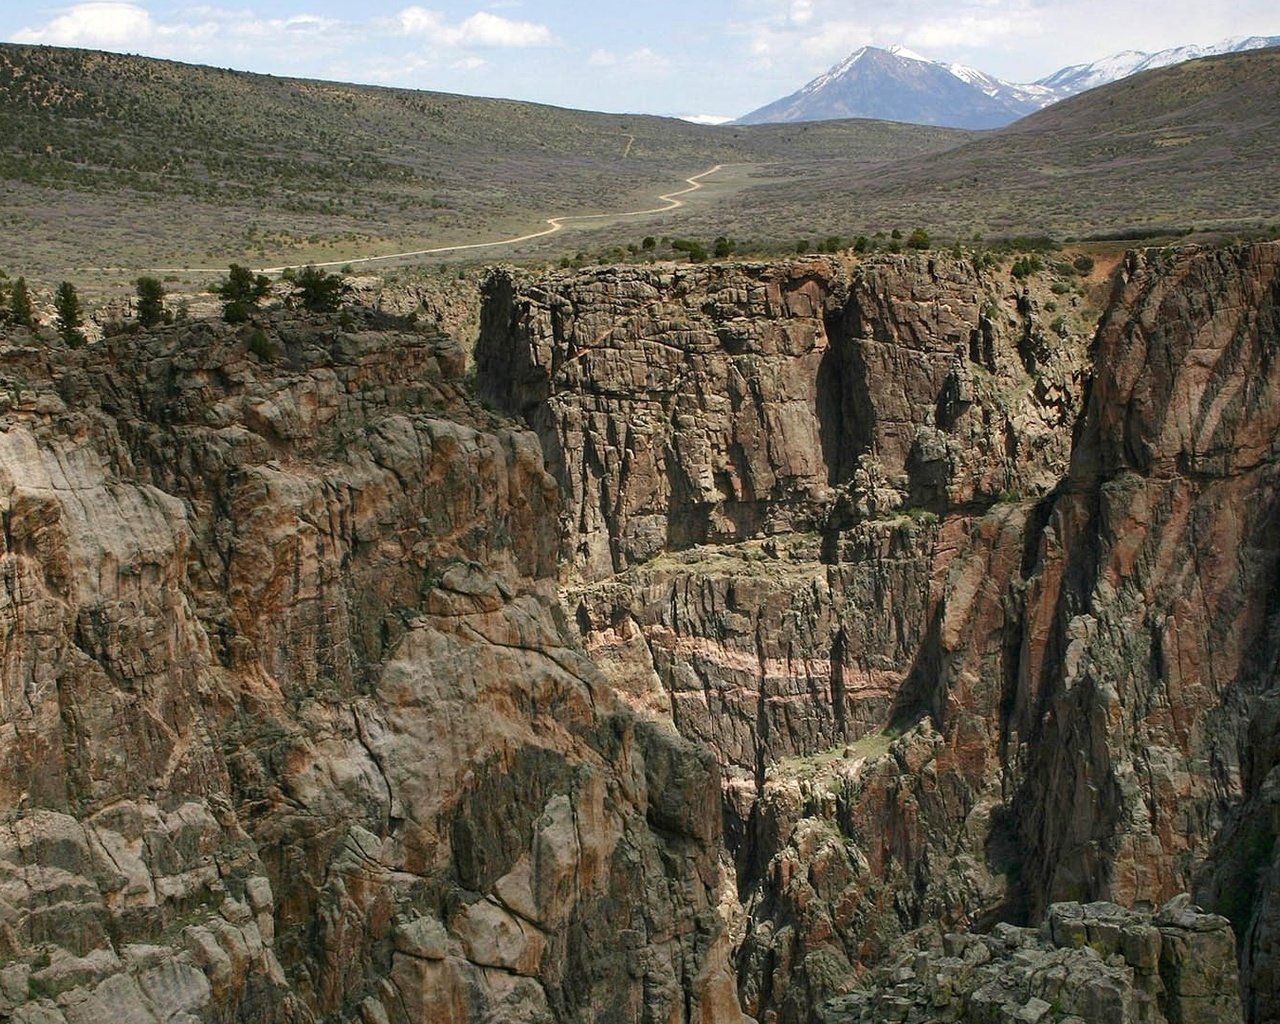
(131, 162)
(1190, 146)
(898, 85)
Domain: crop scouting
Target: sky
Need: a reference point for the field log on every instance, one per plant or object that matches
(711, 59)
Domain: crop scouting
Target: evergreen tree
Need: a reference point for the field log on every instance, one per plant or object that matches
(69, 320)
(150, 301)
(20, 304)
(319, 292)
(241, 292)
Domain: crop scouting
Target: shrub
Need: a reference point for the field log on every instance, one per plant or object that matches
(802, 246)
(20, 304)
(721, 248)
(649, 243)
(240, 293)
(1083, 263)
(919, 239)
(260, 345)
(694, 250)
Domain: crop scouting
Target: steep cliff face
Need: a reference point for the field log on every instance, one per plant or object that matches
(806, 614)
(292, 726)
(831, 522)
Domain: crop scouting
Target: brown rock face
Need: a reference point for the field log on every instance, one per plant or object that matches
(818, 624)
(831, 522)
(292, 728)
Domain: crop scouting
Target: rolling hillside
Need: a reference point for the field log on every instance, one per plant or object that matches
(109, 160)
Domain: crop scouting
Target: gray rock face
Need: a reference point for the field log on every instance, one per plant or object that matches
(1091, 962)
(292, 728)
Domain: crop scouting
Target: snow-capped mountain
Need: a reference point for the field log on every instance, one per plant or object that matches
(899, 85)
(1079, 77)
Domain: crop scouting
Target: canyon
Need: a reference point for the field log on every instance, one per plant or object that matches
(816, 640)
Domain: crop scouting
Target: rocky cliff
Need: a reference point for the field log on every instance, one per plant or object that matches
(293, 729)
(789, 640)
(975, 619)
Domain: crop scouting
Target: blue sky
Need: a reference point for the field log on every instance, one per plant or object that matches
(678, 57)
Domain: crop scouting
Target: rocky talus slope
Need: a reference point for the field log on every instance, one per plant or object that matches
(292, 726)
(975, 609)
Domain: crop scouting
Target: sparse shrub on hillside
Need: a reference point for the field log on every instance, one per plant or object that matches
(1025, 266)
(260, 345)
(831, 243)
(696, 252)
(919, 239)
(722, 247)
(802, 246)
(20, 310)
(1083, 263)
(66, 304)
(895, 234)
(240, 293)
(317, 291)
(861, 244)
(150, 309)
(649, 243)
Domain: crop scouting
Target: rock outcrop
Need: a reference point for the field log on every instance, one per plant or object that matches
(789, 639)
(969, 631)
(1096, 962)
(292, 726)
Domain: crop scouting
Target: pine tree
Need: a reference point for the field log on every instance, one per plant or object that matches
(319, 292)
(150, 301)
(69, 320)
(241, 292)
(20, 304)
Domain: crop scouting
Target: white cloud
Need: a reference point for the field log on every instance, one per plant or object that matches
(100, 23)
(641, 61)
(712, 119)
(485, 29)
(943, 34)
(481, 29)
(801, 12)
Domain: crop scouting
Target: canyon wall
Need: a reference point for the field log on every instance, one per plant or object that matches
(783, 640)
(293, 729)
(975, 619)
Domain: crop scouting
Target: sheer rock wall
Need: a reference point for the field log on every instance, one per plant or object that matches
(973, 623)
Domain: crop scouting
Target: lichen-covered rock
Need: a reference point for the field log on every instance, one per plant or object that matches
(1093, 963)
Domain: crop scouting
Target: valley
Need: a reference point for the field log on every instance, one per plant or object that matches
(784, 574)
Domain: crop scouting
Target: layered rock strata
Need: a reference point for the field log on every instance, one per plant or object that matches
(969, 631)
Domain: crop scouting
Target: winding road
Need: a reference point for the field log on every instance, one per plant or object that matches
(670, 199)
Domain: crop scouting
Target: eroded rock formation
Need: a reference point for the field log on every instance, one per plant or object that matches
(780, 622)
(968, 635)
(293, 729)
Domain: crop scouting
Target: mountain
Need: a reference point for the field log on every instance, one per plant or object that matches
(1194, 145)
(899, 85)
(1078, 77)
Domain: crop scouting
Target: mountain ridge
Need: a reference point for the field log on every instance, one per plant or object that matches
(899, 84)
